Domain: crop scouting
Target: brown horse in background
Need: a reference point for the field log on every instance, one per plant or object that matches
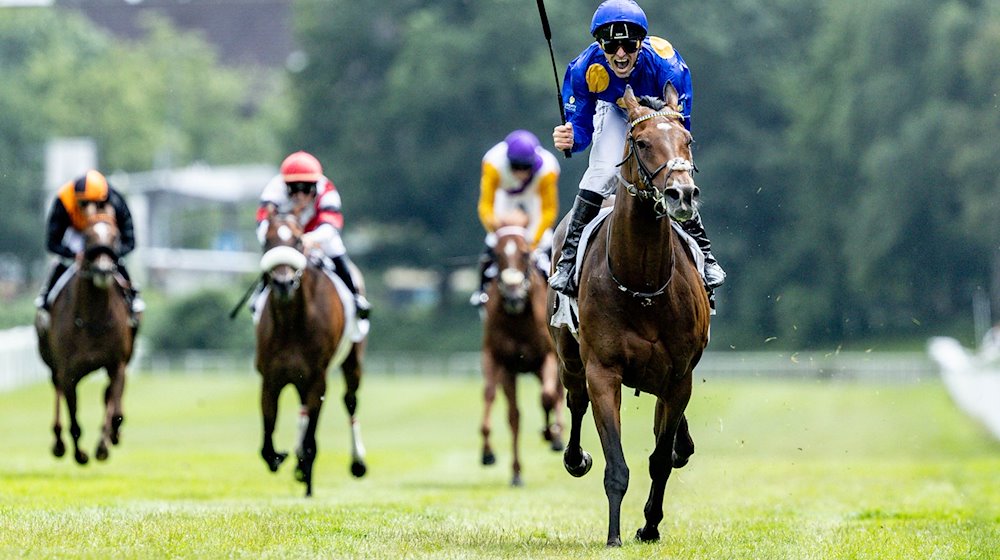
(303, 327)
(644, 313)
(88, 328)
(515, 339)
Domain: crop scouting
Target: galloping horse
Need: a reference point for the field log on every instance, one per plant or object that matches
(88, 328)
(303, 328)
(643, 310)
(515, 339)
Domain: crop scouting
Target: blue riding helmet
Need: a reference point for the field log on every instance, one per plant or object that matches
(522, 149)
(619, 11)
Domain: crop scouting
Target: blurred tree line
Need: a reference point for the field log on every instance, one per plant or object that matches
(847, 148)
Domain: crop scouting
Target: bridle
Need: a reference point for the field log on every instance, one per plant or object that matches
(649, 190)
(514, 284)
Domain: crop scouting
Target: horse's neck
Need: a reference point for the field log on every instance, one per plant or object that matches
(87, 298)
(640, 245)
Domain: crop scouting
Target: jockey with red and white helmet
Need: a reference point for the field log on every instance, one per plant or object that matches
(68, 217)
(517, 174)
(302, 189)
(623, 54)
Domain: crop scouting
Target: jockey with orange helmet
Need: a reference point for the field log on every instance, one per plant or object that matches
(67, 219)
(623, 54)
(302, 189)
(517, 174)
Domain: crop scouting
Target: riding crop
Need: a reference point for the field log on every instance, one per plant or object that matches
(552, 56)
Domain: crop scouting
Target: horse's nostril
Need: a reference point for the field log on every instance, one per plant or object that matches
(695, 193)
(673, 193)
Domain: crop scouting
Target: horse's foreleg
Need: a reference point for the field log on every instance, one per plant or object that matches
(683, 445)
(606, 396)
(352, 381)
(552, 403)
(509, 384)
(58, 448)
(489, 397)
(667, 421)
(575, 459)
(74, 426)
(269, 411)
(112, 410)
(312, 400)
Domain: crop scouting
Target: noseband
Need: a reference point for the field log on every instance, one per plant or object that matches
(648, 190)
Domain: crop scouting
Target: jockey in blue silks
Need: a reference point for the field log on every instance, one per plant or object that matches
(622, 55)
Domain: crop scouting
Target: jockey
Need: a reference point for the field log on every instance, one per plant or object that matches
(623, 54)
(517, 174)
(302, 189)
(68, 218)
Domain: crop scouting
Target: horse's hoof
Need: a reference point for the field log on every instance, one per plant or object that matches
(59, 449)
(580, 469)
(517, 481)
(556, 444)
(274, 461)
(102, 453)
(489, 458)
(678, 461)
(615, 542)
(81, 457)
(651, 535)
(358, 469)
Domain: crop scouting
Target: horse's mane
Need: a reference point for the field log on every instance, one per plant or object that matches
(654, 103)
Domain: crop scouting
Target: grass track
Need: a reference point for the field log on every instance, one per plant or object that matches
(783, 469)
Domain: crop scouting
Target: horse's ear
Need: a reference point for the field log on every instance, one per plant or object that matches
(670, 96)
(629, 100)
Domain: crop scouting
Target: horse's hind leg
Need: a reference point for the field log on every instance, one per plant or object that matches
(489, 397)
(352, 381)
(666, 426)
(269, 410)
(58, 448)
(74, 426)
(552, 403)
(112, 410)
(509, 384)
(683, 444)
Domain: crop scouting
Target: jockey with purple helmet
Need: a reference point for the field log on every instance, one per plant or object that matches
(517, 174)
(623, 54)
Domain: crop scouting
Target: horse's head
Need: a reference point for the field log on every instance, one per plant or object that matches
(101, 248)
(283, 261)
(514, 261)
(657, 165)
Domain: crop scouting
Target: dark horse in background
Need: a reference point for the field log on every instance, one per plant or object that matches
(515, 339)
(643, 310)
(88, 328)
(303, 328)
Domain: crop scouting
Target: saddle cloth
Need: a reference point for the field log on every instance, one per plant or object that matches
(566, 312)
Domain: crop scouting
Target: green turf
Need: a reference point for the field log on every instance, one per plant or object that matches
(783, 469)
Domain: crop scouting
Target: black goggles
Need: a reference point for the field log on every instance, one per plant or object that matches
(521, 166)
(301, 187)
(611, 46)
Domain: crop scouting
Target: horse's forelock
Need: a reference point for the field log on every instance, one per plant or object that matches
(654, 103)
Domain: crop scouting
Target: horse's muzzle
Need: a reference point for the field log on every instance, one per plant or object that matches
(681, 200)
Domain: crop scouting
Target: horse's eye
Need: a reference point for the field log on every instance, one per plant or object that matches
(642, 144)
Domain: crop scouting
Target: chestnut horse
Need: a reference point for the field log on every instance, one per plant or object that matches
(303, 328)
(88, 328)
(643, 310)
(515, 339)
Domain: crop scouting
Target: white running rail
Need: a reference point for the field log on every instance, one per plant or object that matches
(20, 363)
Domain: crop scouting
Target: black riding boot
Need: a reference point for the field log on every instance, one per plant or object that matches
(485, 262)
(343, 269)
(714, 275)
(42, 301)
(585, 208)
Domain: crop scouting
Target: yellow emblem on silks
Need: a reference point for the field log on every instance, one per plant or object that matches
(661, 46)
(597, 78)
